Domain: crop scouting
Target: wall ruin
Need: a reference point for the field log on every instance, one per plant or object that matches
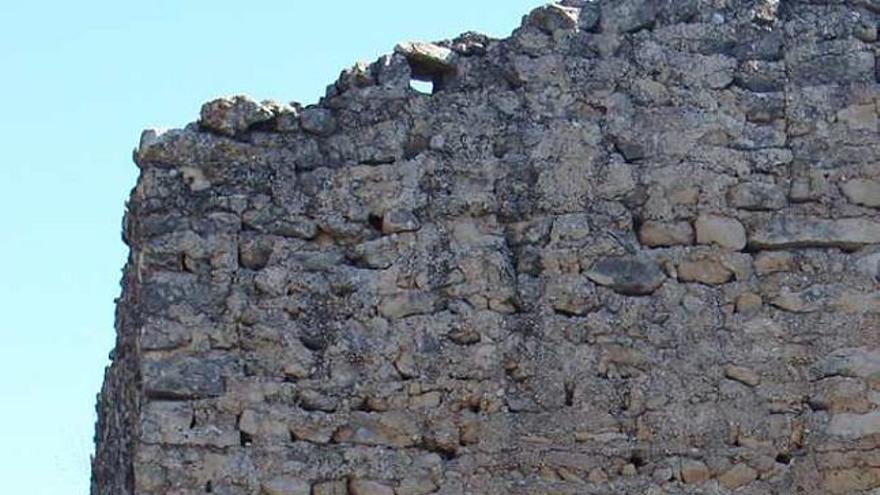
(632, 248)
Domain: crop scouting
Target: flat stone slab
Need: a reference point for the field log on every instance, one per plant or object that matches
(845, 233)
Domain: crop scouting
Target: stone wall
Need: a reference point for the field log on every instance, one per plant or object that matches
(633, 248)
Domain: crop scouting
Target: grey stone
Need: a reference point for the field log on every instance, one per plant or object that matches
(756, 196)
(721, 231)
(554, 17)
(629, 275)
(189, 377)
(864, 192)
(318, 121)
(795, 232)
(414, 294)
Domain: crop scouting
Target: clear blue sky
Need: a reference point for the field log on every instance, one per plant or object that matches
(79, 81)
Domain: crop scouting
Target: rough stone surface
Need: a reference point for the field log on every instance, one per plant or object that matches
(632, 248)
(720, 231)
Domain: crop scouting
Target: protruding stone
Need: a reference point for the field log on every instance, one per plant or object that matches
(863, 192)
(721, 231)
(318, 121)
(791, 232)
(661, 234)
(694, 471)
(231, 116)
(628, 275)
(254, 254)
(705, 271)
(742, 375)
(396, 221)
(756, 196)
(553, 17)
(427, 59)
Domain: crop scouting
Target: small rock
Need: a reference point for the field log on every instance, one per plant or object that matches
(553, 17)
(808, 300)
(662, 474)
(866, 32)
(756, 196)
(792, 232)
(863, 192)
(286, 486)
(363, 487)
(706, 271)
(628, 275)
(742, 375)
(748, 303)
(724, 232)
(597, 475)
(407, 304)
(319, 121)
(737, 476)
(693, 471)
(312, 400)
(570, 229)
(396, 221)
(427, 60)
(772, 262)
(231, 116)
(660, 234)
(254, 254)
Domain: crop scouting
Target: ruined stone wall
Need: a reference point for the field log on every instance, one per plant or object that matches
(633, 248)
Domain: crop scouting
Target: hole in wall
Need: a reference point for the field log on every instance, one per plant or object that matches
(209, 487)
(424, 87)
(375, 221)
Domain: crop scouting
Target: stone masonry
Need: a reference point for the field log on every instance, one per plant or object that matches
(634, 248)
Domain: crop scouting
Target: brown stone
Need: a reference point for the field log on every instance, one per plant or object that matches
(693, 471)
(737, 476)
(742, 375)
(365, 487)
(709, 272)
(657, 234)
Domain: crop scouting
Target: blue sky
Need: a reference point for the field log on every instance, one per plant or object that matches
(79, 81)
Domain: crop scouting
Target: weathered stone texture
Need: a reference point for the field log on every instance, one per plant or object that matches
(632, 248)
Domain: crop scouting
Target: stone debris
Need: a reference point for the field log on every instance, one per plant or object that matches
(632, 248)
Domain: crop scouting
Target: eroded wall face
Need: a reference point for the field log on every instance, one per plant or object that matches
(631, 249)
